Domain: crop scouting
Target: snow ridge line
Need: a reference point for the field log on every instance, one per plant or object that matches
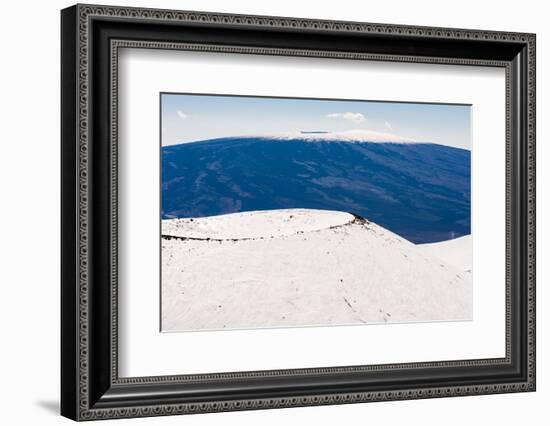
(357, 220)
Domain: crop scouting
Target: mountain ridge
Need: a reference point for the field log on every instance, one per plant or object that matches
(343, 271)
(420, 191)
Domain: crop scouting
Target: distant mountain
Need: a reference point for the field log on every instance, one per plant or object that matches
(420, 191)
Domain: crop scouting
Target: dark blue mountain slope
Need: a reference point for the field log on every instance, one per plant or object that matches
(420, 191)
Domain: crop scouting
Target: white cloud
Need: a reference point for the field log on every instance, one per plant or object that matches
(388, 125)
(182, 115)
(355, 117)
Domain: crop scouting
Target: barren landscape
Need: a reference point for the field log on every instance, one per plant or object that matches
(305, 267)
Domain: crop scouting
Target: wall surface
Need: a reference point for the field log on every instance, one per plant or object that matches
(29, 225)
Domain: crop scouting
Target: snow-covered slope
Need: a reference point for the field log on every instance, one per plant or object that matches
(343, 136)
(260, 224)
(457, 252)
(284, 268)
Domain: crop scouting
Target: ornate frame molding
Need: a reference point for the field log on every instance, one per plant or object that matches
(80, 19)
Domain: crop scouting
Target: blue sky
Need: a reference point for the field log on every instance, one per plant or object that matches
(189, 118)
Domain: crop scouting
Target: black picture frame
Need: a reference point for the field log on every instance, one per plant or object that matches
(90, 386)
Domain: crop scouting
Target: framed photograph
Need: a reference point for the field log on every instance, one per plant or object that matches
(263, 212)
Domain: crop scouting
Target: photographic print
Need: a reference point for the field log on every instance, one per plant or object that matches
(292, 212)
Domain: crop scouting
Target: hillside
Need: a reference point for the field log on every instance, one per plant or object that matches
(420, 191)
(301, 267)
